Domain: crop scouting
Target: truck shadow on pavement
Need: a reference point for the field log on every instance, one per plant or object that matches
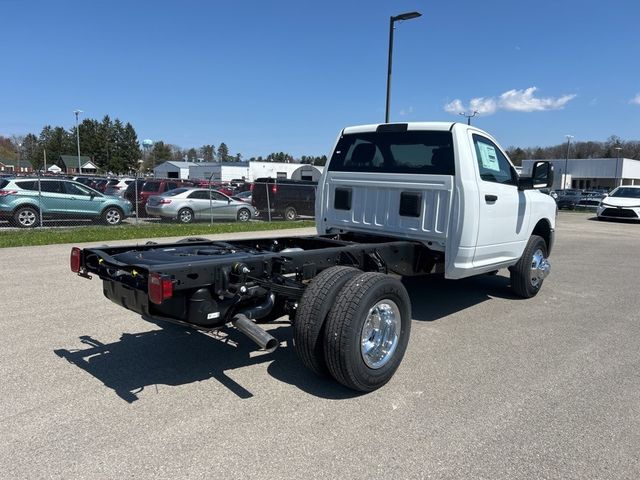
(177, 356)
(433, 297)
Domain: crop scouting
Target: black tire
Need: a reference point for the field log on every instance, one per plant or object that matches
(312, 312)
(185, 215)
(244, 215)
(26, 217)
(290, 214)
(351, 317)
(525, 281)
(112, 216)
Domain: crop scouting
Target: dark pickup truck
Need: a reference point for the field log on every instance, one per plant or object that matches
(279, 197)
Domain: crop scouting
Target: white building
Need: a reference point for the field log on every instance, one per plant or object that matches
(293, 171)
(226, 172)
(173, 170)
(591, 173)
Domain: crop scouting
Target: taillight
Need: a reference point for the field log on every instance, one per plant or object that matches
(160, 288)
(274, 189)
(164, 201)
(4, 193)
(75, 260)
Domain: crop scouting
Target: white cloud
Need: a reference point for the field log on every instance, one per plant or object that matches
(454, 107)
(524, 101)
(511, 100)
(406, 111)
(484, 106)
(635, 100)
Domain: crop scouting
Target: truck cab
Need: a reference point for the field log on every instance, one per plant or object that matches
(448, 185)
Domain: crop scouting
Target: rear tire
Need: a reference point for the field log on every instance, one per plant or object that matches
(367, 331)
(26, 217)
(526, 277)
(290, 214)
(185, 215)
(312, 312)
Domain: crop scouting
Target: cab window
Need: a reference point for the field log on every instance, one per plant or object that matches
(493, 165)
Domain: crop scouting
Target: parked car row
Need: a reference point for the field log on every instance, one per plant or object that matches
(24, 200)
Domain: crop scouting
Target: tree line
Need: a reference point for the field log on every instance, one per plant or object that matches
(113, 146)
(613, 147)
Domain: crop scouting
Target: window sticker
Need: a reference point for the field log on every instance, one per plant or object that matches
(488, 157)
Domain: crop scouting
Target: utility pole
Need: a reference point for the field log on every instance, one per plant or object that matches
(78, 112)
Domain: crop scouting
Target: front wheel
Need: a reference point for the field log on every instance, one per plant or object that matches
(367, 331)
(244, 215)
(112, 216)
(533, 267)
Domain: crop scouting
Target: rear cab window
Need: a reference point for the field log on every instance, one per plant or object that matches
(412, 152)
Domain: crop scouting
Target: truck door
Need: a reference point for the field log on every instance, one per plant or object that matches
(503, 225)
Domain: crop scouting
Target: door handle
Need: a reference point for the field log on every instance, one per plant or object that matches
(490, 198)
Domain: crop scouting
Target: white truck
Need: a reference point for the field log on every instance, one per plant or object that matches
(395, 200)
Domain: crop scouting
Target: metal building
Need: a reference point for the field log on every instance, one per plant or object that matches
(591, 173)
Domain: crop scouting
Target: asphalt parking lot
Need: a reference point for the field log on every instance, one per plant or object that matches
(491, 386)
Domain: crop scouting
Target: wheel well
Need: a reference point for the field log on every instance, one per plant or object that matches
(112, 206)
(543, 229)
(23, 205)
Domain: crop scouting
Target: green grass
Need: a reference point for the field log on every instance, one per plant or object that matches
(49, 236)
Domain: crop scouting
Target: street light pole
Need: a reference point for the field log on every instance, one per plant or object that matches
(78, 112)
(618, 150)
(566, 161)
(469, 117)
(392, 20)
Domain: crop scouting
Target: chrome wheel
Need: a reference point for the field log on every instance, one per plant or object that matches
(540, 268)
(112, 216)
(380, 334)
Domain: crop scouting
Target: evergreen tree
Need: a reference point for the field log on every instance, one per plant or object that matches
(223, 152)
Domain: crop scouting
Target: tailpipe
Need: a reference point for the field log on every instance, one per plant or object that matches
(263, 339)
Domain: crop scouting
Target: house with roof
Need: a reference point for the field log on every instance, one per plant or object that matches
(16, 166)
(69, 164)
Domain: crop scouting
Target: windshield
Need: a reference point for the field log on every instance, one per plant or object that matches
(415, 152)
(626, 192)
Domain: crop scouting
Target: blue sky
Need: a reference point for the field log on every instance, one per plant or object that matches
(286, 75)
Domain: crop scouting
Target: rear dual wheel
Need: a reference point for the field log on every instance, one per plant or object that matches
(359, 338)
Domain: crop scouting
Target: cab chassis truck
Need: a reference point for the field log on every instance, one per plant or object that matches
(395, 200)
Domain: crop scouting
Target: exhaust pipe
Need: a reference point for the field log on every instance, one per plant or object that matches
(263, 339)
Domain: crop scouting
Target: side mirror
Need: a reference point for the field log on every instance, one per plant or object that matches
(541, 177)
